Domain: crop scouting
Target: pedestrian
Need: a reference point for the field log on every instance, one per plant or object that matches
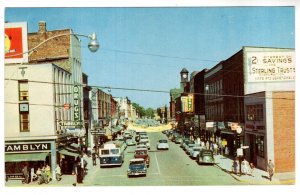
(251, 170)
(78, 172)
(26, 174)
(207, 145)
(94, 157)
(235, 165)
(48, 172)
(44, 175)
(58, 172)
(202, 143)
(216, 149)
(33, 176)
(271, 169)
(245, 167)
(226, 150)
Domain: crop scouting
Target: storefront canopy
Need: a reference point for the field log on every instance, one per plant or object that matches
(68, 153)
(26, 157)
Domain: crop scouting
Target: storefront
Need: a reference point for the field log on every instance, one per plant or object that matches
(32, 154)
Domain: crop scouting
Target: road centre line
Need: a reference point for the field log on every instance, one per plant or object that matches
(157, 164)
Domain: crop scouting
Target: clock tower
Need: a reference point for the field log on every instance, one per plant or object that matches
(184, 74)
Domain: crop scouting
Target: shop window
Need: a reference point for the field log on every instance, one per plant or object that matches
(24, 117)
(260, 146)
(254, 112)
(23, 91)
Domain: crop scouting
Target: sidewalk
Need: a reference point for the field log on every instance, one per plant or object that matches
(66, 181)
(259, 177)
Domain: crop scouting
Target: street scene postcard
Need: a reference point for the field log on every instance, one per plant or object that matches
(149, 96)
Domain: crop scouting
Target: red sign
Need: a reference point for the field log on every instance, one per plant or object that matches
(15, 42)
(66, 106)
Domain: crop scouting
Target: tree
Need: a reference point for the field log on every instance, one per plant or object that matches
(149, 112)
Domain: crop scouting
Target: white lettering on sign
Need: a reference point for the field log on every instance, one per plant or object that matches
(76, 104)
(27, 147)
(270, 66)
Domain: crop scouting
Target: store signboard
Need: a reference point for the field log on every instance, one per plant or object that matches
(271, 66)
(77, 117)
(15, 43)
(187, 103)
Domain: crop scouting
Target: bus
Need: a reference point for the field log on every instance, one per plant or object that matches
(112, 154)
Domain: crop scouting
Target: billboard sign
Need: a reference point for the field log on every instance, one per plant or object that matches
(15, 43)
(271, 66)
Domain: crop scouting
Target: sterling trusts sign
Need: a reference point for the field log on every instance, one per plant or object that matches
(27, 147)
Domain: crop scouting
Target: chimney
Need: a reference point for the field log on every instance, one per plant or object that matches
(42, 27)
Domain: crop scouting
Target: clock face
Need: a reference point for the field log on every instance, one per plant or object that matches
(184, 76)
(24, 107)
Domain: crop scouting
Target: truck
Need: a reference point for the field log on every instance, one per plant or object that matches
(112, 154)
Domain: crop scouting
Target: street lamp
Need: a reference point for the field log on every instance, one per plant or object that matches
(93, 45)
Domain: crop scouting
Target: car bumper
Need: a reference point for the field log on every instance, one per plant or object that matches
(136, 173)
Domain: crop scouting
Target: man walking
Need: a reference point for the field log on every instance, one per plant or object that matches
(94, 157)
(25, 173)
(271, 169)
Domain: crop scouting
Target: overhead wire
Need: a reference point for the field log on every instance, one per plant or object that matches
(152, 90)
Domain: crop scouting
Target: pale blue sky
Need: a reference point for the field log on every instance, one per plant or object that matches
(146, 48)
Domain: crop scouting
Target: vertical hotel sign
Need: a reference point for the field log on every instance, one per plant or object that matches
(187, 103)
(15, 43)
(76, 105)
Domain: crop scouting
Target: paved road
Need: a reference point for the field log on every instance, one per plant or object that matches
(167, 168)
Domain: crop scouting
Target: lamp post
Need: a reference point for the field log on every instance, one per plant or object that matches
(239, 149)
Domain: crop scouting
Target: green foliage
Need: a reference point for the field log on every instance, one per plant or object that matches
(149, 112)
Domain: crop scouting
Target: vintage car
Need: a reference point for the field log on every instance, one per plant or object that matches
(142, 153)
(162, 144)
(205, 157)
(130, 142)
(195, 151)
(137, 166)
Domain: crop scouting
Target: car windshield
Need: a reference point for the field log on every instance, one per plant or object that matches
(163, 141)
(141, 152)
(207, 153)
(196, 149)
(136, 165)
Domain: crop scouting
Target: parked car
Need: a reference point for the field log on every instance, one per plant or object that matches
(142, 153)
(127, 135)
(194, 152)
(137, 167)
(162, 144)
(206, 157)
(141, 146)
(186, 143)
(190, 147)
(178, 139)
(130, 142)
(184, 140)
(165, 131)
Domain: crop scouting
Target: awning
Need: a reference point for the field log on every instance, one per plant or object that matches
(117, 129)
(68, 153)
(228, 132)
(26, 157)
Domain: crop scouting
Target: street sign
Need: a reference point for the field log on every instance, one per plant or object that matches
(239, 152)
(98, 132)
